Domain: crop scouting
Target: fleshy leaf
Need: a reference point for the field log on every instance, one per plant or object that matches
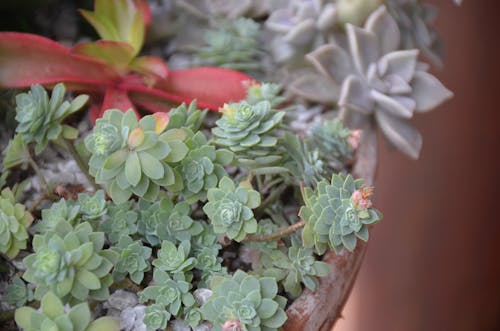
(113, 53)
(402, 135)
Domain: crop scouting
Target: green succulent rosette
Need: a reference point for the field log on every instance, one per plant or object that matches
(71, 263)
(202, 168)
(156, 317)
(258, 92)
(17, 293)
(62, 210)
(54, 316)
(189, 117)
(249, 302)
(249, 131)
(135, 157)
(92, 207)
(40, 117)
(14, 223)
(133, 259)
(176, 225)
(229, 209)
(121, 221)
(331, 137)
(337, 213)
(174, 259)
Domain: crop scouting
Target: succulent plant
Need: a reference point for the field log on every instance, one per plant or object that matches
(189, 117)
(248, 130)
(193, 316)
(54, 316)
(269, 92)
(209, 264)
(138, 161)
(40, 117)
(16, 153)
(415, 20)
(229, 209)
(174, 259)
(205, 239)
(379, 80)
(92, 207)
(232, 45)
(247, 301)
(71, 263)
(337, 213)
(176, 224)
(300, 267)
(171, 293)
(156, 317)
(332, 138)
(133, 259)
(14, 223)
(303, 162)
(17, 293)
(202, 168)
(122, 222)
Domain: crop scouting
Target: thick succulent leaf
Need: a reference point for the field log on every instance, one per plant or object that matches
(150, 65)
(316, 88)
(399, 63)
(395, 105)
(302, 33)
(428, 92)
(399, 133)
(104, 323)
(80, 316)
(363, 46)
(279, 21)
(27, 59)
(52, 306)
(356, 95)
(383, 25)
(332, 61)
(113, 53)
(212, 87)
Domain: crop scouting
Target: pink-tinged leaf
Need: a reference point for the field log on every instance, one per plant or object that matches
(113, 53)
(114, 98)
(212, 87)
(152, 103)
(27, 59)
(161, 121)
(143, 7)
(150, 65)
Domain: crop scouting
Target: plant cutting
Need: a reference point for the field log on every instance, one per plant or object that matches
(242, 218)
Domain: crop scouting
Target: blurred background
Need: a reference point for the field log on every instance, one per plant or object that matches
(433, 262)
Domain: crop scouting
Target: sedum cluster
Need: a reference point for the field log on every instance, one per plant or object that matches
(337, 213)
(135, 157)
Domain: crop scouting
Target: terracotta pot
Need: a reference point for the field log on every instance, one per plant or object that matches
(318, 310)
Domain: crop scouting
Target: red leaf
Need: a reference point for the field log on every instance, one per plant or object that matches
(212, 87)
(150, 65)
(113, 99)
(27, 59)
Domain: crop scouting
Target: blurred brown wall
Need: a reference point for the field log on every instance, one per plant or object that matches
(433, 262)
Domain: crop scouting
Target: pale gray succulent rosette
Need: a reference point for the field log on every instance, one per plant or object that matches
(378, 80)
(415, 21)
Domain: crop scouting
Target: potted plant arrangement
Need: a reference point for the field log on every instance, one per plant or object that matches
(229, 190)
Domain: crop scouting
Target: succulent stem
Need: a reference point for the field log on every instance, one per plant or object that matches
(43, 181)
(278, 234)
(79, 161)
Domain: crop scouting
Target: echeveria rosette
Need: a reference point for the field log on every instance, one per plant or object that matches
(229, 209)
(14, 223)
(92, 207)
(70, 262)
(381, 81)
(333, 139)
(143, 162)
(245, 300)
(415, 19)
(17, 293)
(189, 117)
(156, 317)
(176, 223)
(193, 316)
(249, 131)
(174, 259)
(233, 45)
(337, 213)
(121, 222)
(149, 221)
(171, 293)
(133, 259)
(209, 263)
(62, 210)
(40, 117)
(54, 316)
(202, 168)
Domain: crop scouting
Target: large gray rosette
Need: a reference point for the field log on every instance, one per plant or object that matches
(378, 80)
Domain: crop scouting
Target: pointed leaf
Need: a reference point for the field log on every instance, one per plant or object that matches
(428, 92)
(383, 25)
(113, 53)
(150, 65)
(401, 134)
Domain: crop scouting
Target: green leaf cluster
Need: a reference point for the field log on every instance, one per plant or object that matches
(246, 300)
(70, 262)
(189, 117)
(14, 223)
(233, 45)
(176, 223)
(53, 316)
(174, 259)
(269, 92)
(140, 160)
(332, 217)
(121, 222)
(92, 207)
(17, 293)
(229, 209)
(331, 138)
(249, 130)
(133, 259)
(40, 117)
